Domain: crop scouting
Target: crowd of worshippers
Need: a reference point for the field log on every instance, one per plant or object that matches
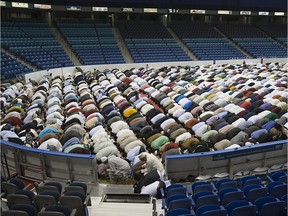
(132, 119)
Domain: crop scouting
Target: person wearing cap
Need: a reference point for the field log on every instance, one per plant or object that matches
(51, 145)
(118, 168)
(7, 133)
(151, 163)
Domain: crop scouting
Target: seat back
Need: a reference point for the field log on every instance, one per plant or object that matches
(54, 194)
(218, 212)
(174, 191)
(80, 184)
(8, 188)
(235, 204)
(18, 182)
(271, 185)
(221, 181)
(250, 187)
(204, 187)
(59, 209)
(283, 179)
(44, 188)
(252, 181)
(276, 208)
(256, 193)
(196, 184)
(50, 213)
(275, 176)
(13, 199)
(14, 213)
(226, 190)
(3, 179)
(207, 208)
(77, 194)
(263, 200)
(74, 189)
(73, 202)
(180, 203)
(232, 196)
(29, 209)
(56, 184)
(178, 211)
(41, 201)
(278, 191)
(206, 200)
(173, 186)
(227, 184)
(27, 193)
(175, 197)
(244, 210)
(203, 193)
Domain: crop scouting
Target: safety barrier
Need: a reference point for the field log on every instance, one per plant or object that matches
(179, 167)
(41, 164)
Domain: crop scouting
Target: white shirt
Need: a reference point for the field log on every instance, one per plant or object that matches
(131, 155)
(150, 189)
(157, 117)
(95, 129)
(51, 142)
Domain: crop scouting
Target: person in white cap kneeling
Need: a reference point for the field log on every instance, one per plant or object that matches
(118, 168)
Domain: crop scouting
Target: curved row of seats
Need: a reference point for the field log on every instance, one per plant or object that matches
(248, 195)
(24, 37)
(50, 199)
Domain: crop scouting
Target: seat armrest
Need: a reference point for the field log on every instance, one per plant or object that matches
(89, 190)
(73, 212)
(87, 201)
(162, 193)
(164, 204)
(27, 186)
(189, 190)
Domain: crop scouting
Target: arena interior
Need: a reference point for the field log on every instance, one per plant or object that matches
(144, 107)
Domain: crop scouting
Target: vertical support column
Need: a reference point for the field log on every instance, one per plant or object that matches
(220, 19)
(244, 20)
(207, 19)
(69, 166)
(165, 20)
(92, 16)
(16, 160)
(43, 166)
(48, 17)
(249, 20)
(128, 16)
(94, 170)
(112, 20)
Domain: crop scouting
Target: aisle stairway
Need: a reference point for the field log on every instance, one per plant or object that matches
(232, 43)
(122, 46)
(182, 45)
(65, 46)
(119, 209)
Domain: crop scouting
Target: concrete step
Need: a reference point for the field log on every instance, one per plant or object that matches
(122, 46)
(14, 56)
(270, 36)
(233, 43)
(65, 46)
(119, 209)
(182, 45)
